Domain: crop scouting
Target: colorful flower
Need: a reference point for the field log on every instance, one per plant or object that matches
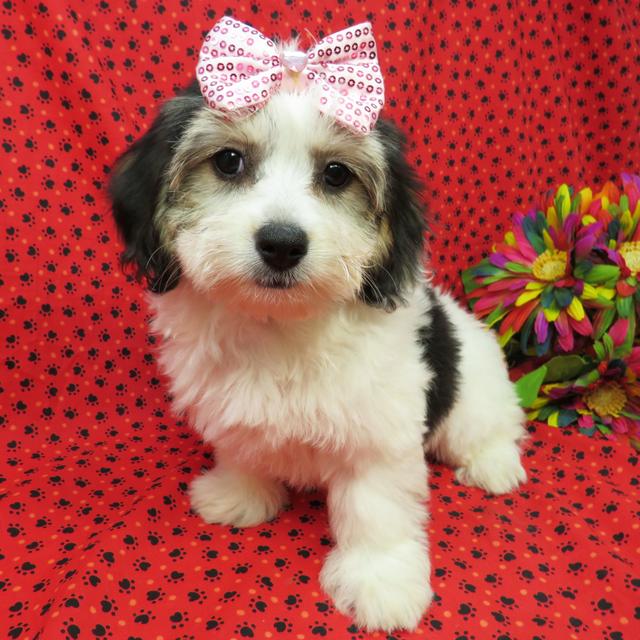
(604, 397)
(526, 285)
(568, 280)
(614, 265)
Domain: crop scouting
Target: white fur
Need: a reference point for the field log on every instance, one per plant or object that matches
(213, 225)
(337, 400)
(309, 386)
(241, 499)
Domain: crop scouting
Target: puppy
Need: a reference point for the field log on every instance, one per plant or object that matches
(284, 252)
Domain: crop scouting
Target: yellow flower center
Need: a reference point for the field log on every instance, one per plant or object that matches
(550, 265)
(630, 251)
(607, 400)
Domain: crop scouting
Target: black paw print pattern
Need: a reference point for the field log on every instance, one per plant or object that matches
(500, 102)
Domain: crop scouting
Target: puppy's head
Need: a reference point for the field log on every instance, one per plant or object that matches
(276, 214)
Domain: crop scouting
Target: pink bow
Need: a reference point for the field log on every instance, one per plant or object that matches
(239, 69)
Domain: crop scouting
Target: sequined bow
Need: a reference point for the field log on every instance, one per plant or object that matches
(239, 69)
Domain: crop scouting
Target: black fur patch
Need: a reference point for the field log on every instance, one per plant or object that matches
(404, 211)
(441, 351)
(135, 189)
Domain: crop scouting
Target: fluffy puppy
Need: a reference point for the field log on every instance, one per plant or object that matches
(284, 256)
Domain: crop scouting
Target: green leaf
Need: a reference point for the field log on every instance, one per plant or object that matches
(514, 267)
(604, 319)
(624, 306)
(563, 368)
(575, 203)
(502, 275)
(599, 349)
(528, 386)
(468, 281)
(624, 202)
(603, 274)
(485, 268)
(587, 378)
(496, 315)
(607, 342)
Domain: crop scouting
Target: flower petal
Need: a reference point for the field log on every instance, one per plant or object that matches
(586, 421)
(619, 330)
(524, 297)
(586, 196)
(551, 314)
(583, 326)
(565, 335)
(541, 327)
(575, 309)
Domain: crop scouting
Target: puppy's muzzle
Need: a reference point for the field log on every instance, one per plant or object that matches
(281, 245)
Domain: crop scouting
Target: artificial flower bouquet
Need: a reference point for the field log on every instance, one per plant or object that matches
(563, 292)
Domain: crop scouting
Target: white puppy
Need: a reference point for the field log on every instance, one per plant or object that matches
(301, 337)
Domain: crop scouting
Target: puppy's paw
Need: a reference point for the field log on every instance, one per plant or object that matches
(495, 468)
(382, 589)
(230, 497)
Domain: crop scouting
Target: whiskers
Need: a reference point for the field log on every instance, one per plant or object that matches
(166, 278)
(369, 281)
(170, 274)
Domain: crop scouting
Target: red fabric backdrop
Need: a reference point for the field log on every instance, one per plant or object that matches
(501, 101)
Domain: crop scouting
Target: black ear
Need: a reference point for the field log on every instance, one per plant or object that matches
(405, 218)
(136, 187)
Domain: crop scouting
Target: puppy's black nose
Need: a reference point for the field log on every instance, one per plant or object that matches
(281, 245)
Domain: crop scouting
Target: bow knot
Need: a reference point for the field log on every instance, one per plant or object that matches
(239, 69)
(295, 60)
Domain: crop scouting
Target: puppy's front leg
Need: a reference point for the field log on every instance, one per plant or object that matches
(228, 494)
(379, 570)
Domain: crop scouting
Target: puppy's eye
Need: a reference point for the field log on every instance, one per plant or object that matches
(229, 162)
(336, 175)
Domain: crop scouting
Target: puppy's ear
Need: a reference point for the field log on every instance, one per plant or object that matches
(137, 186)
(402, 220)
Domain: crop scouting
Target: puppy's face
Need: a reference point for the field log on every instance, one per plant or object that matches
(277, 214)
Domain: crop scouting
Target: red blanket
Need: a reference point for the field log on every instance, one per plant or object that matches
(501, 102)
